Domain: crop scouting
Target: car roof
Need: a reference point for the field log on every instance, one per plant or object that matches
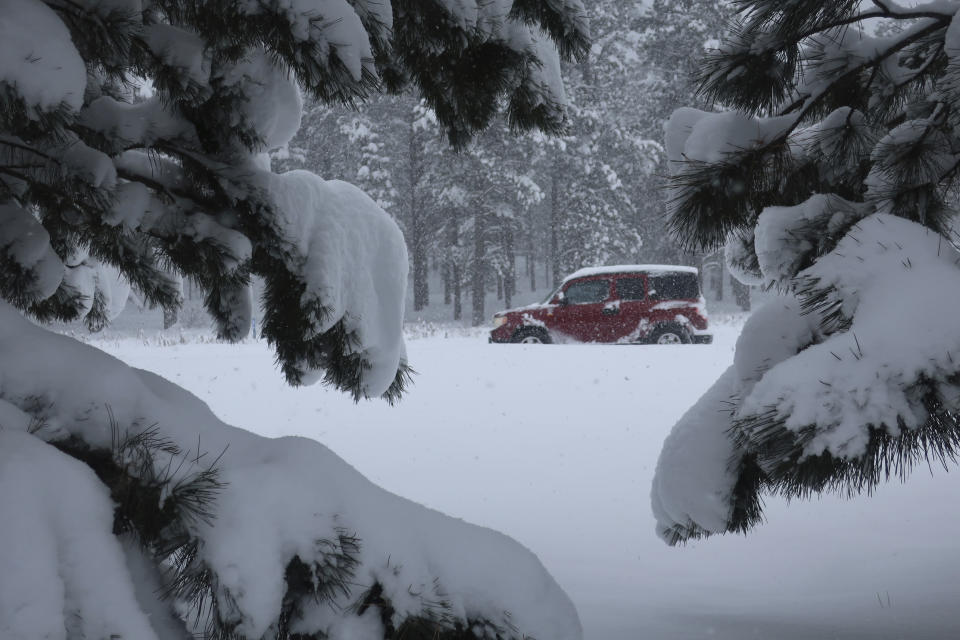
(630, 268)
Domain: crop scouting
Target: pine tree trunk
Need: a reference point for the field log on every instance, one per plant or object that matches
(554, 222)
(455, 276)
(457, 297)
(447, 284)
(721, 276)
(510, 278)
(170, 318)
(741, 293)
(477, 289)
(421, 292)
(499, 286)
(532, 262)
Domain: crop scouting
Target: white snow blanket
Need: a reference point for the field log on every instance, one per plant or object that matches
(282, 496)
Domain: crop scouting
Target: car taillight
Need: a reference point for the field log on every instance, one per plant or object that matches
(700, 309)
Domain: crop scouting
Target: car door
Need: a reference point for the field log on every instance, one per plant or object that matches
(632, 322)
(581, 315)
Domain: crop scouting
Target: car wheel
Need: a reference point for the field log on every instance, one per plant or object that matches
(669, 334)
(532, 335)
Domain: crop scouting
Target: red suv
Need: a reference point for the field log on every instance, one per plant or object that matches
(624, 304)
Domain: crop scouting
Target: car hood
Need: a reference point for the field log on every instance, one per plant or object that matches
(524, 309)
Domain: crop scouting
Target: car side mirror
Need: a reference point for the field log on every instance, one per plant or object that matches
(562, 300)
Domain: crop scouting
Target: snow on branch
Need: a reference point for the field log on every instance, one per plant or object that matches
(853, 380)
(295, 540)
(350, 262)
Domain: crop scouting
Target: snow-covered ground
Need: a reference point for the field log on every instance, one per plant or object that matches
(556, 446)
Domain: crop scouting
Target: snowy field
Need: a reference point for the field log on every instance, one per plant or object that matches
(556, 446)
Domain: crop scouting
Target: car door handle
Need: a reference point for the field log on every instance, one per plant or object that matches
(611, 311)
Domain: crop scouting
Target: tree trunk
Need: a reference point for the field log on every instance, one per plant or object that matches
(421, 292)
(457, 297)
(170, 318)
(554, 259)
(741, 293)
(499, 286)
(456, 277)
(447, 284)
(510, 277)
(532, 257)
(477, 288)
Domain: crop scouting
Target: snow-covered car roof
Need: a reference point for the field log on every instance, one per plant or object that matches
(630, 268)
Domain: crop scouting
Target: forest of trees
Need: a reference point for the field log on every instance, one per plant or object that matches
(510, 211)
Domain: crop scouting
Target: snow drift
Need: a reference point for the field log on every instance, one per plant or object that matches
(278, 500)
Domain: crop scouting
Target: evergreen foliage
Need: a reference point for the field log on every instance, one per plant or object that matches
(133, 142)
(174, 190)
(839, 135)
(585, 197)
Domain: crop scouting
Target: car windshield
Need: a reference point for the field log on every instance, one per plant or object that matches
(552, 295)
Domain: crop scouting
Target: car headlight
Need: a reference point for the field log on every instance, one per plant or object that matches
(499, 321)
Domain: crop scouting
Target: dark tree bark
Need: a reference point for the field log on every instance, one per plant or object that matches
(447, 284)
(510, 277)
(741, 293)
(457, 295)
(532, 263)
(554, 259)
(417, 230)
(478, 285)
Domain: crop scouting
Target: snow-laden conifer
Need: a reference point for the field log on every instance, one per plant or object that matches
(134, 140)
(832, 179)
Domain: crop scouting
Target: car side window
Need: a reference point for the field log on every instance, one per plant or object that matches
(674, 286)
(587, 292)
(631, 289)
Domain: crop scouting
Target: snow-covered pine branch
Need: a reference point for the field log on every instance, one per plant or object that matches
(133, 153)
(176, 179)
(835, 182)
(250, 537)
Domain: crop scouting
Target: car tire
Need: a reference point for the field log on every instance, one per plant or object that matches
(531, 335)
(669, 334)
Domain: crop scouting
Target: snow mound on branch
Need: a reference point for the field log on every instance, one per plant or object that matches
(693, 484)
(180, 49)
(272, 102)
(701, 136)
(91, 278)
(786, 236)
(678, 129)
(38, 58)
(741, 257)
(775, 332)
(888, 277)
(283, 497)
(62, 569)
(696, 472)
(491, 18)
(333, 26)
(139, 124)
(353, 259)
(546, 74)
(24, 241)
